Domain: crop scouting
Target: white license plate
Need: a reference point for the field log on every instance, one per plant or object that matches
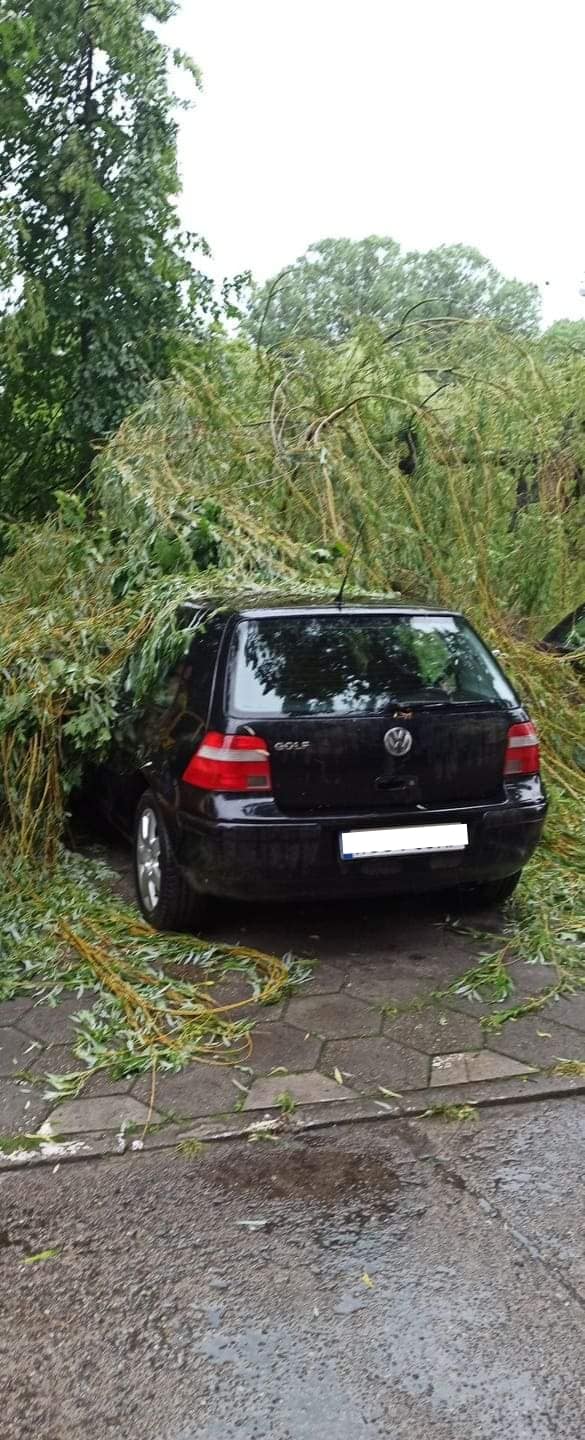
(410, 840)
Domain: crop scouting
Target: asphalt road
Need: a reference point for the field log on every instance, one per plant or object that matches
(382, 1280)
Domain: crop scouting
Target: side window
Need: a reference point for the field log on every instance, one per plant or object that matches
(189, 712)
(200, 665)
(177, 720)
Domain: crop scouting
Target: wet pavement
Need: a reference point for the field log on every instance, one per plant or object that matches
(369, 1282)
(335, 1042)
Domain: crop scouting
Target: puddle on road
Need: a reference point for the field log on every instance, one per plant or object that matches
(339, 1196)
(310, 1170)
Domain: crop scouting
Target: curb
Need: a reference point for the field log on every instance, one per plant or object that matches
(76, 1149)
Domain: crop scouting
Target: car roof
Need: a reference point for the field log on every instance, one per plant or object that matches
(256, 607)
(372, 607)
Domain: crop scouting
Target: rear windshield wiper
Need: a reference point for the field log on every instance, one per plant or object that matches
(449, 703)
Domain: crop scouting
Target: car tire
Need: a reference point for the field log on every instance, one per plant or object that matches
(488, 893)
(165, 898)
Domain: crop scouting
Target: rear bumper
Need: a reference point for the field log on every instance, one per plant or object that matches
(268, 859)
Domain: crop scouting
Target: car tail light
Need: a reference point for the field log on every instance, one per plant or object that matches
(230, 762)
(522, 750)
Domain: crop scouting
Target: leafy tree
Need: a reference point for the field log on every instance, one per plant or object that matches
(338, 283)
(96, 277)
(565, 338)
(457, 280)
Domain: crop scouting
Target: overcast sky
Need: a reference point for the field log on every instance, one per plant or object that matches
(432, 123)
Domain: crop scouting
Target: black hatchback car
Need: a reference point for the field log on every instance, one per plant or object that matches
(317, 750)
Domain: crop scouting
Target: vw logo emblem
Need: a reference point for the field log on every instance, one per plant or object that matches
(398, 741)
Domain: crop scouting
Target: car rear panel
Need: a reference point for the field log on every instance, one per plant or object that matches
(342, 764)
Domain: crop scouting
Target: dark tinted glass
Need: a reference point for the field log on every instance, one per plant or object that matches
(345, 664)
(177, 712)
(569, 634)
(573, 636)
(201, 662)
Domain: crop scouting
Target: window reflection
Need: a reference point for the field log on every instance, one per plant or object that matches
(342, 664)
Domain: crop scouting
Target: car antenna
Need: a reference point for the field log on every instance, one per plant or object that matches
(339, 597)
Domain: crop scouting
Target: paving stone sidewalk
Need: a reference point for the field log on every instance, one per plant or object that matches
(334, 1029)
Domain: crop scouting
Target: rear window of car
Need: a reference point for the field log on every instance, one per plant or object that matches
(344, 664)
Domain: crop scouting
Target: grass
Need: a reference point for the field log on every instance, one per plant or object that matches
(450, 1112)
(11, 1144)
(191, 1149)
(569, 1067)
(286, 1103)
(154, 1127)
